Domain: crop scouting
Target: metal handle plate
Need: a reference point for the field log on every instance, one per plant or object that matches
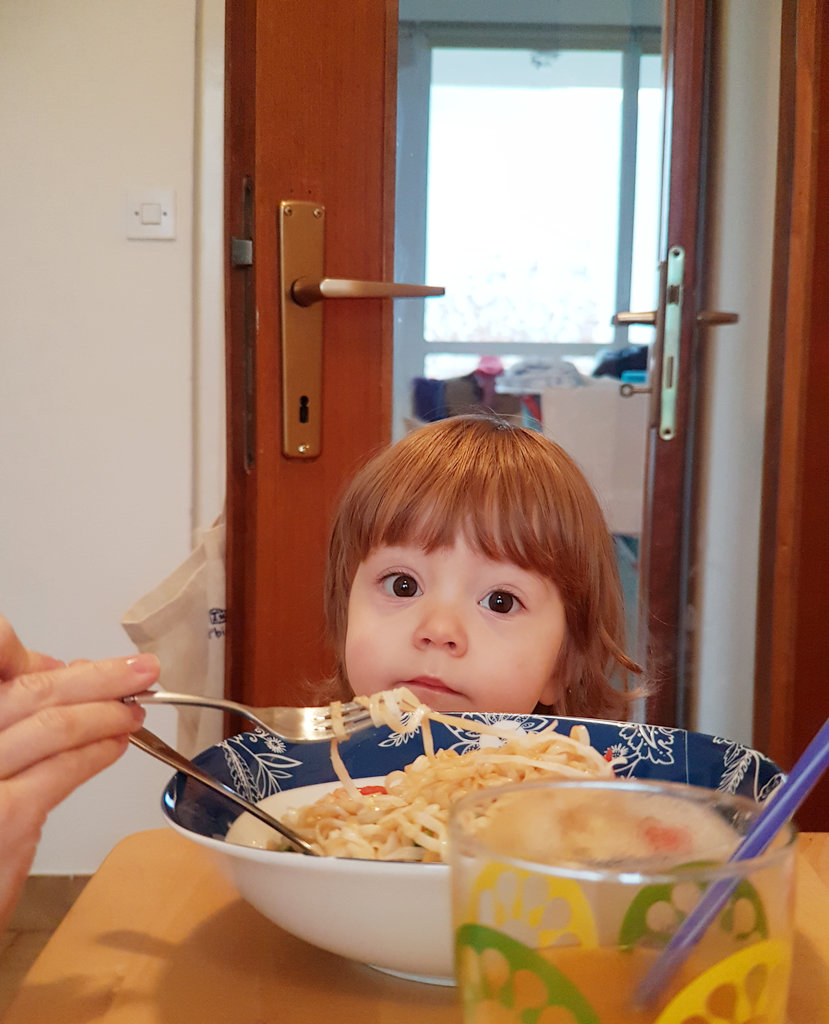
(674, 291)
(303, 286)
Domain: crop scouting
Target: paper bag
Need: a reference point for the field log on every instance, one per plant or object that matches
(182, 622)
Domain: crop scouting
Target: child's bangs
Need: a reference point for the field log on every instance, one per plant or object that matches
(428, 514)
(492, 512)
(511, 522)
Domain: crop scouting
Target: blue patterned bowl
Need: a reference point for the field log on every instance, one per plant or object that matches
(355, 908)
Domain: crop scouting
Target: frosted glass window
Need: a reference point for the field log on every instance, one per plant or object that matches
(523, 194)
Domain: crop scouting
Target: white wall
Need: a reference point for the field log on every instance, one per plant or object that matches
(102, 343)
(734, 366)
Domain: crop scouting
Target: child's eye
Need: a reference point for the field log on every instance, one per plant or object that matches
(500, 601)
(400, 584)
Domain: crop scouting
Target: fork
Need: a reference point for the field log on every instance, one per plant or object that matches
(155, 746)
(298, 725)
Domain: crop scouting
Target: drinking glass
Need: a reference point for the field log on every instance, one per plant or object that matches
(564, 893)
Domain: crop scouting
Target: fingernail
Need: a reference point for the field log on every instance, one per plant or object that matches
(144, 666)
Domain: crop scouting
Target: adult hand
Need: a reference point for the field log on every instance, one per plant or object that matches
(59, 726)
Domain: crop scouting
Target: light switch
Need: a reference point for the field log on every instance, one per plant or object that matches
(151, 214)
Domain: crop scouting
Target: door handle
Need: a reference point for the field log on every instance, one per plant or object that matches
(668, 336)
(667, 320)
(706, 318)
(626, 319)
(711, 318)
(303, 286)
(306, 291)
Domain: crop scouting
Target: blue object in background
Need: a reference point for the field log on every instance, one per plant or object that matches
(429, 399)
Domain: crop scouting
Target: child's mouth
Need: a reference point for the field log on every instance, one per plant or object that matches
(430, 684)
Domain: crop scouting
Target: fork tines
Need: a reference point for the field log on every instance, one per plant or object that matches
(352, 716)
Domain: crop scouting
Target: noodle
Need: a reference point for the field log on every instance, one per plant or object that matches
(406, 818)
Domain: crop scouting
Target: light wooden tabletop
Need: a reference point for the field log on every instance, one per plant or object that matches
(158, 936)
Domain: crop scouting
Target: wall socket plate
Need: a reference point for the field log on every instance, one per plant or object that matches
(151, 214)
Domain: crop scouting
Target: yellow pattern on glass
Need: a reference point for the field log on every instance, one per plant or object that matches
(543, 910)
(748, 987)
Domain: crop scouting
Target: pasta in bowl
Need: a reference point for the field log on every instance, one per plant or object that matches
(404, 816)
(394, 914)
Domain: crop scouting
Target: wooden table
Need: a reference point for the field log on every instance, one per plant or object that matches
(159, 937)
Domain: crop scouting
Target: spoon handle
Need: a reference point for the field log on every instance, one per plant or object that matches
(154, 745)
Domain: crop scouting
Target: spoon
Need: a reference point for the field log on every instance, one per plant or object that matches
(780, 807)
(152, 744)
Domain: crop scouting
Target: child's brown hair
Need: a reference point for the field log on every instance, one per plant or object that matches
(516, 496)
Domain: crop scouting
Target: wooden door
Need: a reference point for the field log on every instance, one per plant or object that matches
(311, 115)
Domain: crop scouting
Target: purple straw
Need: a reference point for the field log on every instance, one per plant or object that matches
(780, 807)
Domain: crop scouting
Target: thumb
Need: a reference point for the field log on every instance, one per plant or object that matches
(17, 660)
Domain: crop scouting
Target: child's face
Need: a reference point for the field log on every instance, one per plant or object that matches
(462, 632)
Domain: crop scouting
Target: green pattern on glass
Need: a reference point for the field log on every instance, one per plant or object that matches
(745, 891)
(560, 990)
(635, 929)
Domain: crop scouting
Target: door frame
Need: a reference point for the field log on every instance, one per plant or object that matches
(667, 534)
(791, 698)
(240, 339)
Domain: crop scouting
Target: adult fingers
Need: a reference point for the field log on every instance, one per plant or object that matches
(17, 660)
(54, 731)
(26, 800)
(78, 683)
(57, 777)
(43, 662)
(14, 657)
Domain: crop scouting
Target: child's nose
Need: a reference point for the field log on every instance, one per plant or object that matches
(441, 626)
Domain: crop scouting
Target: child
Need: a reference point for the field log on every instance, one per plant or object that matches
(471, 563)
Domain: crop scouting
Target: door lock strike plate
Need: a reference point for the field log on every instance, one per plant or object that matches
(675, 273)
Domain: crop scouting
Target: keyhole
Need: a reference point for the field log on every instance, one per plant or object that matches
(303, 409)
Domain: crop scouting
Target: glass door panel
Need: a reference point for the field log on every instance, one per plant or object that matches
(529, 187)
